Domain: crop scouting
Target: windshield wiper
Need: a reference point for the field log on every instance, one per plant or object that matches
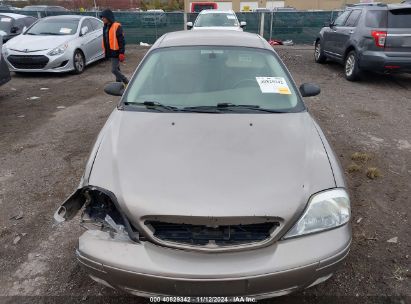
(152, 105)
(51, 34)
(201, 109)
(229, 106)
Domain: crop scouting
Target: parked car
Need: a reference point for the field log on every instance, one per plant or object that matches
(153, 18)
(215, 19)
(6, 8)
(285, 9)
(56, 44)
(368, 37)
(12, 25)
(211, 178)
(44, 8)
(197, 7)
(4, 69)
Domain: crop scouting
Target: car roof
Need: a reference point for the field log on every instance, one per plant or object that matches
(214, 11)
(14, 16)
(39, 6)
(212, 38)
(72, 17)
(399, 5)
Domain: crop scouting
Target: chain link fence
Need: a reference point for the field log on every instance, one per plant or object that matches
(299, 26)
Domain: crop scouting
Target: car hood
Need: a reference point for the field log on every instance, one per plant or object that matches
(211, 165)
(37, 43)
(222, 28)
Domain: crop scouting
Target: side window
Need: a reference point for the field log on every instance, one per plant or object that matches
(88, 24)
(92, 26)
(353, 18)
(97, 24)
(18, 23)
(376, 19)
(340, 21)
(29, 21)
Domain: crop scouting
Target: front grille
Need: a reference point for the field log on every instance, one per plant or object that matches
(222, 235)
(28, 61)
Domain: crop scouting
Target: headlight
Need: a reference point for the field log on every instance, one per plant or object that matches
(325, 210)
(58, 50)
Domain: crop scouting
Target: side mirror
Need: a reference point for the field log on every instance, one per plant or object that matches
(14, 30)
(331, 24)
(84, 30)
(309, 90)
(243, 24)
(189, 25)
(114, 88)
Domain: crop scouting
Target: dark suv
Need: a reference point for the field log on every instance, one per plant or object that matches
(368, 37)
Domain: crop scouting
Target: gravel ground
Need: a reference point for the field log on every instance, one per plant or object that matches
(45, 142)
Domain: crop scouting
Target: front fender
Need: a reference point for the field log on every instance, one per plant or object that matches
(84, 196)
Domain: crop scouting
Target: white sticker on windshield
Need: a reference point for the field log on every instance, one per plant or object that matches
(65, 30)
(276, 85)
(230, 17)
(5, 19)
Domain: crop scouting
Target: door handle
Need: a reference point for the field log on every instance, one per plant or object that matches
(352, 32)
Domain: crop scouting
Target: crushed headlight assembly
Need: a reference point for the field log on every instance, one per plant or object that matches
(325, 210)
(100, 211)
(58, 50)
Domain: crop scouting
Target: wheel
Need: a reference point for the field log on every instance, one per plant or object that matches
(79, 62)
(319, 55)
(351, 68)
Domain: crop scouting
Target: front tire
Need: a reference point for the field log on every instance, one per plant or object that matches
(319, 55)
(351, 69)
(79, 62)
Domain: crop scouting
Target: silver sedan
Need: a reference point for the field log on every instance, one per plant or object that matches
(56, 44)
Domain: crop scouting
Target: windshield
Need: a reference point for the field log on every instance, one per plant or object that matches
(54, 27)
(185, 77)
(216, 19)
(5, 24)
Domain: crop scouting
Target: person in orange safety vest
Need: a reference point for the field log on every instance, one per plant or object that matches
(114, 44)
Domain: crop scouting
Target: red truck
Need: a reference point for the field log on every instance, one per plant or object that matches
(197, 7)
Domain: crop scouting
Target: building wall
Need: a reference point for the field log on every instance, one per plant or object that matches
(326, 4)
(298, 4)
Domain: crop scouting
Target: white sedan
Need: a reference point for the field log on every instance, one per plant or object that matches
(56, 44)
(215, 20)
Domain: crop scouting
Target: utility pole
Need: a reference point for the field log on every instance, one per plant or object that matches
(95, 7)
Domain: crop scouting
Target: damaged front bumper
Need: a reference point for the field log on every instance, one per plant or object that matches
(146, 269)
(115, 255)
